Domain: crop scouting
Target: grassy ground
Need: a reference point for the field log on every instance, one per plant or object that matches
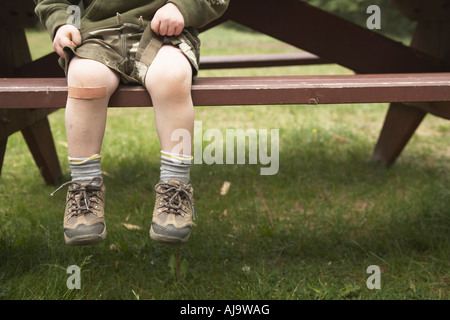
(308, 232)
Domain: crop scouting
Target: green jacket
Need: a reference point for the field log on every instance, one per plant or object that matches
(102, 13)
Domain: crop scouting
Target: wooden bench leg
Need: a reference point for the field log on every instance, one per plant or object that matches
(430, 37)
(400, 124)
(2, 152)
(40, 142)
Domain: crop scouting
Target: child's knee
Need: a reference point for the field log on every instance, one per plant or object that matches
(169, 74)
(90, 79)
(169, 83)
(169, 80)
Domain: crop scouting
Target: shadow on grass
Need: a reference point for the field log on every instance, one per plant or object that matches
(323, 204)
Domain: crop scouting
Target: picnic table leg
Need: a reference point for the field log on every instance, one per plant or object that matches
(33, 124)
(400, 124)
(40, 142)
(2, 152)
(35, 128)
(431, 36)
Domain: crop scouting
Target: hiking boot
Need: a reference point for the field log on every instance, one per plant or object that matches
(173, 214)
(84, 221)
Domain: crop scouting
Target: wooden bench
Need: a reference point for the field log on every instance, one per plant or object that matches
(51, 93)
(39, 96)
(261, 60)
(414, 80)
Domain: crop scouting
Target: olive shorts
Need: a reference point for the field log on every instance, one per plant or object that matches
(129, 49)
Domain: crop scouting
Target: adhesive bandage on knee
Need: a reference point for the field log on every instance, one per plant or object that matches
(87, 93)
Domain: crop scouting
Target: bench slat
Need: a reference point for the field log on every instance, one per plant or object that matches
(276, 90)
(260, 60)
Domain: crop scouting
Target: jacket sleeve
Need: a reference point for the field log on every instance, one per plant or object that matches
(53, 13)
(198, 13)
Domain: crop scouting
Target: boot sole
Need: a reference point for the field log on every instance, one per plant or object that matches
(170, 240)
(84, 240)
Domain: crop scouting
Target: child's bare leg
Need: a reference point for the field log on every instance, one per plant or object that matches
(86, 118)
(169, 81)
(91, 84)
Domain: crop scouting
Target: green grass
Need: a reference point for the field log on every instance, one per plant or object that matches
(334, 213)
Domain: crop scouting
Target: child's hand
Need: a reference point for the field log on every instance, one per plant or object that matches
(67, 35)
(168, 21)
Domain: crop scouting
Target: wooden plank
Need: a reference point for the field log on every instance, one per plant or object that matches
(48, 67)
(260, 60)
(14, 54)
(13, 120)
(331, 37)
(52, 93)
(431, 37)
(33, 124)
(18, 13)
(40, 142)
(3, 142)
(321, 90)
(44, 67)
(402, 121)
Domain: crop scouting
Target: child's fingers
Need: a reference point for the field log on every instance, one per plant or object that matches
(164, 28)
(66, 35)
(168, 21)
(60, 43)
(154, 25)
(178, 29)
(174, 28)
(76, 37)
(58, 46)
(59, 51)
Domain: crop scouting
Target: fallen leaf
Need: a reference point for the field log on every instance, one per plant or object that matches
(106, 173)
(131, 226)
(340, 139)
(63, 143)
(225, 187)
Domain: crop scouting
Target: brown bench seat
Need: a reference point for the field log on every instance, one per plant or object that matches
(37, 93)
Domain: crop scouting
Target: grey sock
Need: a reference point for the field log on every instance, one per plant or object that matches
(175, 166)
(85, 169)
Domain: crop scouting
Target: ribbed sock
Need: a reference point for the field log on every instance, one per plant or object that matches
(85, 169)
(175, 166)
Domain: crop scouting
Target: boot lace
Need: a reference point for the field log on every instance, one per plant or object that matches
(81, 196)
(173, 196)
